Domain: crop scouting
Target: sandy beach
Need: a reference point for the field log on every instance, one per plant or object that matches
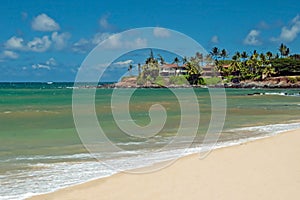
(264, 169)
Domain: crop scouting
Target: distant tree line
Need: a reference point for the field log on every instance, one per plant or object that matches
(241, 66)
(256, 66)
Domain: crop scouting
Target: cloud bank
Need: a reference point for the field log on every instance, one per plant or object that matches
(45, 23)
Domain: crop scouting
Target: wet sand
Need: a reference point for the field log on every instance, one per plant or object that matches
(264, 169)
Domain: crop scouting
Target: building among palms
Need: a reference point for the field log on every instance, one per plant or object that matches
(209, 70)
(174, 69)
(167, 70)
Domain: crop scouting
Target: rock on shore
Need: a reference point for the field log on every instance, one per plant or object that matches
(274, 82)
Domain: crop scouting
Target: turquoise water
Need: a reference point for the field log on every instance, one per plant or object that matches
(39, 142)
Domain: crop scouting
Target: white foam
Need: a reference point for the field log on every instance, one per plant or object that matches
(276, 93)
(44, 177)
(282, 94)
(269, 129)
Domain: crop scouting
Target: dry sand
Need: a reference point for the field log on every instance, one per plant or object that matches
(264, 169)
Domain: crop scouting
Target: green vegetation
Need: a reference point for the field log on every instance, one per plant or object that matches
(150, 71)
(241, 66)
(194, 69)
(292, 79)
(178, 80)
(212, 80)
(257, 66)
(160, 81)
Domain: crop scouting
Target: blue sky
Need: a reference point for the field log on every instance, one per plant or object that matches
(48, 40)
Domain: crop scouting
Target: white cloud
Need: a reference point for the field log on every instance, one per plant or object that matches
(103, 22)
(215, 39)
(36, 45)
(84, 45)
(14, 43)
(113, 42)
(44, 23)
(99, 37)
(138, 43)
(41, 66)
(263, 25)
(110, 42)
(161, 32)
(39, 44)
(9, 54)
(116, 42)
(251, 38)
(51, 62)
(81, 46)
(126, 62)
(60, 40)
(289, 33)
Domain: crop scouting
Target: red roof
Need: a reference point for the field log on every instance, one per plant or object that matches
(169, 66)
(226, 66)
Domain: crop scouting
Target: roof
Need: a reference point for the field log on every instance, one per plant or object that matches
(171, 66)
(226, 66)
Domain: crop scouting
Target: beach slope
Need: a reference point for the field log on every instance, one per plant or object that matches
(264, 169)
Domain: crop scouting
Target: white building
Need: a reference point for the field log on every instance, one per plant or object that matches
(172, 70)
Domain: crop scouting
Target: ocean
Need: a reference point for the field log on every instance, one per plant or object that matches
(41, 150)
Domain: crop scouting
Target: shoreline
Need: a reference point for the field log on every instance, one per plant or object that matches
(177, 176)
(242, 85)
(274, 82)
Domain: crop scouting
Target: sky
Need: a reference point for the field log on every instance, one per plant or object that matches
(49, 40)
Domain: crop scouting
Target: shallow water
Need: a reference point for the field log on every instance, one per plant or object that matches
(40, 150)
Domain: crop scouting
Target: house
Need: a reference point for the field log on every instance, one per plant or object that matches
(209, 71)
(172, 70)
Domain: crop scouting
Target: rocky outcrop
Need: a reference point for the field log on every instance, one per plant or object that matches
(274, 82)
(127, 83)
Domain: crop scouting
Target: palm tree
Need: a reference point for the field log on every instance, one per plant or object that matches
(184, 60)
(255, 55)
(262, 58)
(261, 63)
(235, 64)
(244, 55)
(151, 58)
(236, 56)
(139, 69)
(194, 72)
(266, 68)
(151, 54)
(283, 50)
(269, 55)
(130, 69)
(176, 60)
(287, 52)
(200, 57)
(215, 53)
(161, 59)
(268, 71)
(224, 54)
